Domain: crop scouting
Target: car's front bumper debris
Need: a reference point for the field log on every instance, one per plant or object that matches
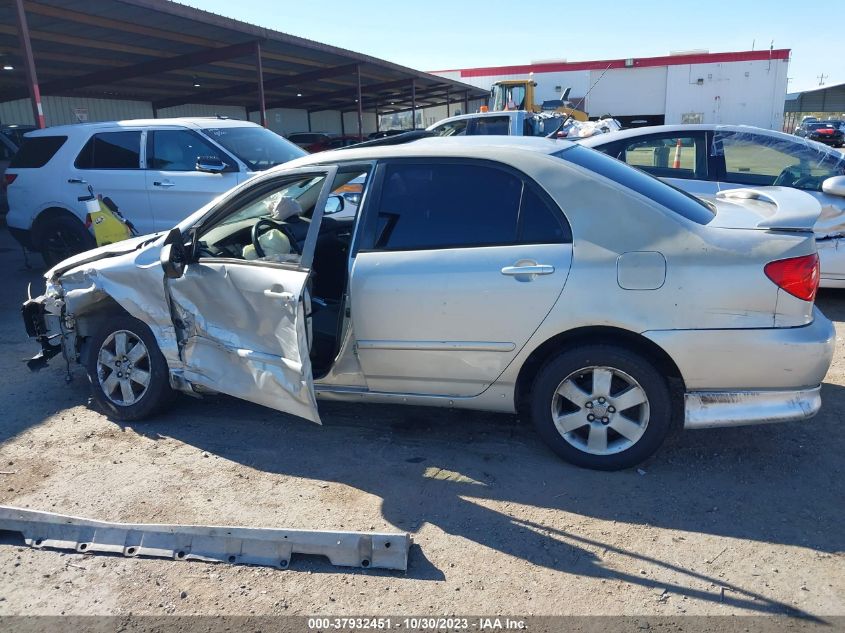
(270, 547)
(44, 328)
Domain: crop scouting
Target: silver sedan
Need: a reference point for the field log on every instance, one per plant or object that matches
(500, 274)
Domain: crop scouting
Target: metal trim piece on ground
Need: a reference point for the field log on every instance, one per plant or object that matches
(270, 547)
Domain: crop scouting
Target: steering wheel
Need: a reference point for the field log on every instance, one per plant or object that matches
(811, 183)
(265, 224)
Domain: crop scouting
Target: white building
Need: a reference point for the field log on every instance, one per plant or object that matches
(688, 87)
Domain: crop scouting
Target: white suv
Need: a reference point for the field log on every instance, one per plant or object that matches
(157, 172)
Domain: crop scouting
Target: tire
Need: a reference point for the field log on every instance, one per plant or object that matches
(63, 236)
(146, 390)
(630, 433)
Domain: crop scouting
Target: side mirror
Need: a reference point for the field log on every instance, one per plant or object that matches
(210, 164)
(173, 257)
(834, 186)
(333, 205)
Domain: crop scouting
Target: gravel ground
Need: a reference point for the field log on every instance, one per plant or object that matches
(731, 521)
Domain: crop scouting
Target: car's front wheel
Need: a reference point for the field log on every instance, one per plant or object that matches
(601, 407)
(126, 370)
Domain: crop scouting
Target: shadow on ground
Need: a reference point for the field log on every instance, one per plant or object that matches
(774, 484)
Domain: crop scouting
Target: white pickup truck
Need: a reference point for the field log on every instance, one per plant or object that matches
(521, 123)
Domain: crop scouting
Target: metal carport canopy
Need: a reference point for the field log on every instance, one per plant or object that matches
(827, 99)
(170, 54)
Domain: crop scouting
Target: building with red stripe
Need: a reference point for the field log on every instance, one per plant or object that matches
(744, 87)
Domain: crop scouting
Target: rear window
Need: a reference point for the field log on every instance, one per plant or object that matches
(37, 151)
(670, 197)
(492, 126)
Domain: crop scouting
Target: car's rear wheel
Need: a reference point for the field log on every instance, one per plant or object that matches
(601, 407)
(126, 370)
(63, 236)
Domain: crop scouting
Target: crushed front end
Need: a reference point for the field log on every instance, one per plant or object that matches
(45, 321)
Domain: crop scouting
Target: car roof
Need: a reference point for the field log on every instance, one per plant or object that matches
(601, 139)
(192, 122)
(483, 147)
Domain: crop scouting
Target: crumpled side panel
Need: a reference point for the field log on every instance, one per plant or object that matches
(238, 340)
(135, 284)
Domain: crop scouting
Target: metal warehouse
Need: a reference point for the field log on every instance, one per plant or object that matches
(687, 87)
(67, 61)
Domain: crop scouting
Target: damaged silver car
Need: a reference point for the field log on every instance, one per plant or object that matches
(500, 274)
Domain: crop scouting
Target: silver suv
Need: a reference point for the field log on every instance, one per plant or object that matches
(497, 274)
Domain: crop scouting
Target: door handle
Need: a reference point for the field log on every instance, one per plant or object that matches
(532, 269)
(162, 183)
(286, 297)
(77, 181)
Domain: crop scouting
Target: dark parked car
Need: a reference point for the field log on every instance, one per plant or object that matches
(313, 142)
(827, 132)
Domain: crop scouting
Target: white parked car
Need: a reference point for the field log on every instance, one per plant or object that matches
(705, 159)
(157, 171)
(481, 273)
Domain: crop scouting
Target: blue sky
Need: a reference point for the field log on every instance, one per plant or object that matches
(434, 34)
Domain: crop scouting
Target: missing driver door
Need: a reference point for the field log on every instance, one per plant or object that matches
(240, 308)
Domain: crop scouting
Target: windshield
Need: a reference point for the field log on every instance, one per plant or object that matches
(257, 147)
(264, 206)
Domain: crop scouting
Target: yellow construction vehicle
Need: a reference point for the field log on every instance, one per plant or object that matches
(518, 94)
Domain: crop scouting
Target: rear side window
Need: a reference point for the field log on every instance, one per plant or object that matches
(668, 156)
(452, 128)
(678, 201)
(37, 151)
(491, 125)
(540, 222)
(460, 205)
(111, 150)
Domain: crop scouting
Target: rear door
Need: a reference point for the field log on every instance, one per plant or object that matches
(241, 323)
(110, 163)
(459, 262)
(175, 187)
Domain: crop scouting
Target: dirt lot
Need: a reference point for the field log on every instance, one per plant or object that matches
(735, 521)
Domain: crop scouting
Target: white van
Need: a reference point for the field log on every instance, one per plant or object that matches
(157, 171)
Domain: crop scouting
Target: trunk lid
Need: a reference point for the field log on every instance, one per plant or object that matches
(766, 209)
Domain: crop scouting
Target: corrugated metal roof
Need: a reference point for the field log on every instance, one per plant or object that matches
(74, 39)
(825, 99)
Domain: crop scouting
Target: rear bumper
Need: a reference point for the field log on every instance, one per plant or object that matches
(828, 140)
(711, 409)
(742, 360)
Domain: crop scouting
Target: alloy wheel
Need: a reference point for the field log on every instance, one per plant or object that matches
(600, 410)
(123, 368)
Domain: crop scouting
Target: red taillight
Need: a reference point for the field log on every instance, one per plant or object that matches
(8, 179)
(799, 276)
